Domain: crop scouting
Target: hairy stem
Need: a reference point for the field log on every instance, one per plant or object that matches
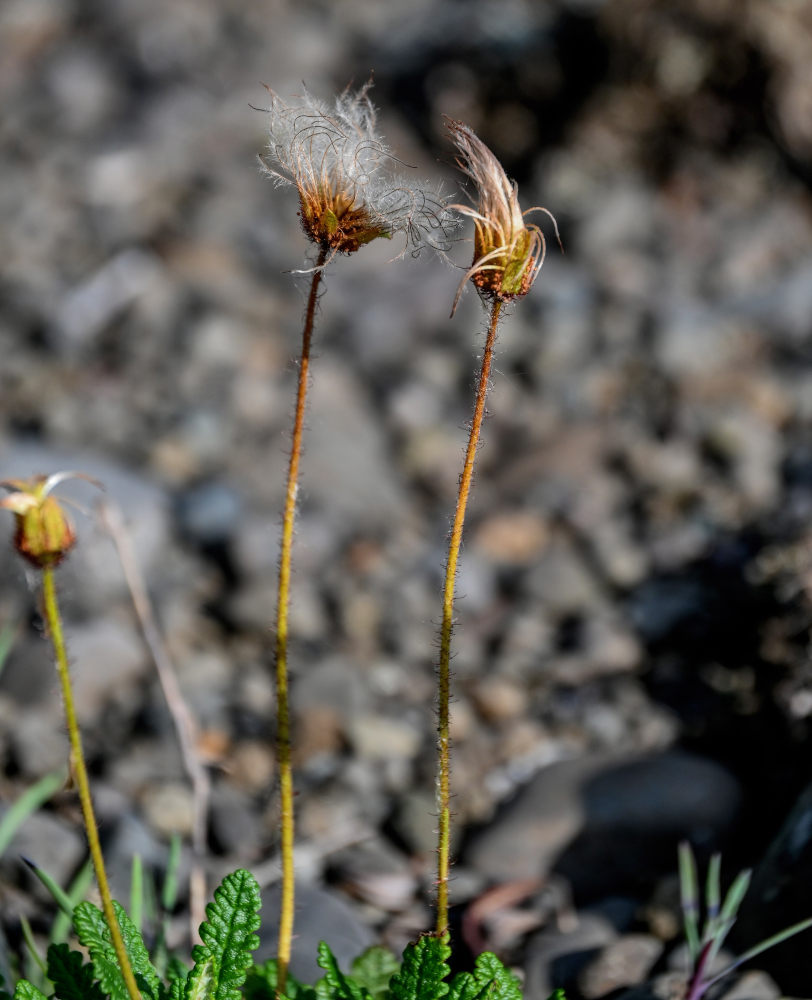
(79, 770)
(443, 669)
(282, 605)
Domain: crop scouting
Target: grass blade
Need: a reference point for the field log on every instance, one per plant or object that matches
(60, 897)
(28, 803)
(77, 890)
(770, 942)
(713, 897)
(137, 892)
(689, 895)
(730, 909)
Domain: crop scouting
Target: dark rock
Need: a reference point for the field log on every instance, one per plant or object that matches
(321, 915)
(607, 825)
(208, 513)
(779, 897)
(625, 962)
(554, 958)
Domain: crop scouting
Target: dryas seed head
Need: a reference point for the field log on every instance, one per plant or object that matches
(342, 171)
(508, 252)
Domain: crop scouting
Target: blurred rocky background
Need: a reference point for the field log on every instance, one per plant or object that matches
(632, 659)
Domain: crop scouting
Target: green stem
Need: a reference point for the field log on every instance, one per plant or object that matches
(443, 670)
(77, 760)
(282, 605)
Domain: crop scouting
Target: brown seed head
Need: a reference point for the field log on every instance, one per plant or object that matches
(341, 169)
(44, 534)
(508, 252)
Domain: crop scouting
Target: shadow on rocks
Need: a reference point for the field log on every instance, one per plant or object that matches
(779, 897)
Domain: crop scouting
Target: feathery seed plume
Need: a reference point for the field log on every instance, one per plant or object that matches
(342, 171)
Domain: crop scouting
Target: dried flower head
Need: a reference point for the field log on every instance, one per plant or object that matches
(44, 533)
(343, 172)
(508, 252)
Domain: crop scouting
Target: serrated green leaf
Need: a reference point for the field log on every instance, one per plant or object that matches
(558, 994)
(260, 984)
(176, 989)
(93, 932)
(201, 981)
(72, 976)
(423, 971)
(224, 957)
(374, 969)
(176, 970)
(27, 991)
(500, 982)
(335, 985)
(146, 977)
(465, 987)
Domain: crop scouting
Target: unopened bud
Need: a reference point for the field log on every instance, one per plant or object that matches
(44, 534)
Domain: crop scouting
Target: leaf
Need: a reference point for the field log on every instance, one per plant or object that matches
(335, 985)
(223, 959)
(260, 984)
(27, 991)
(558, 994)
(146, 977)
(465, 987)
(500, 982)
(176, 970)
(201, 982)
(424, 970)
(374, 970)
(93, 932)
(72, 976)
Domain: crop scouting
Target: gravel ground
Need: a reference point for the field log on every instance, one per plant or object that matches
(632, 657)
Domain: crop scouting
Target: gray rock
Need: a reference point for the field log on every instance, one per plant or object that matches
(666, 986)
(234, 823)
(625, 962)
(752, 985)
(50, 843)
(208, 513)
(321, 915)
(572, 814)
(109, 658)
(377, 873)
(554, 958)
